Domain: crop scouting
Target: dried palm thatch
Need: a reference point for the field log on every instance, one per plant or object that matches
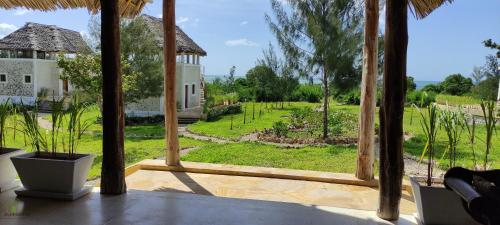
(422, 8)
(128, 8)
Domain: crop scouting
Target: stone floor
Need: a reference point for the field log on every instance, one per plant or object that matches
(258, 188)
(143, 207)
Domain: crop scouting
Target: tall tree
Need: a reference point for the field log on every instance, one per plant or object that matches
(231, 79)
(287, 79)
(319, 37)
(144, 58)
(477, 74)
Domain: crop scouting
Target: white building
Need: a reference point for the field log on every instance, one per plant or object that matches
(28, 61)
(190, 84)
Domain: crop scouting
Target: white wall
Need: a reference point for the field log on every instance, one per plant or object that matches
(47, 76)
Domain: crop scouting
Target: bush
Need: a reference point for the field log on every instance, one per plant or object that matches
(456, 84)
(134, 120)
(486, 89)
(299, 116)
(218, 111)
(353, 97)
(308, 92)
(342, 122)
(420, 98)
(280, 129)
(436, 88)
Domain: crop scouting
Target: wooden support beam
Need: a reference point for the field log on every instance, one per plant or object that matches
(169, 56)
(113, 123)
(392, 109)
(366, 142)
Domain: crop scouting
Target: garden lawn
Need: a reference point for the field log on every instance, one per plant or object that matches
(337, 159)
(222, 127)
(456, 100)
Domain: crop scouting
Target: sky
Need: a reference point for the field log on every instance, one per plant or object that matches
(234, 32)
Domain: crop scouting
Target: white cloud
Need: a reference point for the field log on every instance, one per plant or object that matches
(21, 12)
(159, 15)
(241, 42)
(6, 29)
(243, 23)
(182, 19)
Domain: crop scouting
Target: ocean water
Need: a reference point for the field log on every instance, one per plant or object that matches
(422, 83)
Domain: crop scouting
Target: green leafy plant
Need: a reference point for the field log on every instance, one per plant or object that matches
(5, 112)
(76, 127)
(32, 129)
(429, 122)
(57, 115)
(490, 120)
(451, 121)
(280, 129)
(469, 122)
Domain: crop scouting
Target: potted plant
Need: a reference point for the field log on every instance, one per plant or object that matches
(53, 174)
(7, 172)
(436, 204)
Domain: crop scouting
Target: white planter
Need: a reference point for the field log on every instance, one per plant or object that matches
(438, 205)
(7, 172)
(47, 175)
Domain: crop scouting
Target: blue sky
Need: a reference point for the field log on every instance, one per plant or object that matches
(234, 32)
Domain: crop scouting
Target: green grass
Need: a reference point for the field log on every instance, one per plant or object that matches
(457, 100)
(330, 159)
(222, 127)
(146, 142)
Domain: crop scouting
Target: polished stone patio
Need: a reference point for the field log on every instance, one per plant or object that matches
(260, 188)
(143, 207)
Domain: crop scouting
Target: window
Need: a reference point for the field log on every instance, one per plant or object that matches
(27, 79)
(4, 53)
(24, 54)
(40, 55)
(193, 91)
(3, 78)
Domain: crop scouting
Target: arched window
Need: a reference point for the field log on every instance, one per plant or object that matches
(193, 90)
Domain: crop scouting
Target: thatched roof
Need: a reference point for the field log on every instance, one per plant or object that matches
(128, 8)
(422, 8)
(184, 43)
(47, 38)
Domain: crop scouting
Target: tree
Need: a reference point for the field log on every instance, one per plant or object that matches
(263, 80)
(320, 37)
(230, 80)
(436, 88)
(410, 84)
(477, 74)
(287, 82)
(144, 58)
(493, 45)
(456, 84)
(85, 74)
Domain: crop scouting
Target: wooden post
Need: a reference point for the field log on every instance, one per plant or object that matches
(392, 109)
(169, 55)
(113, 123)
(366, 142)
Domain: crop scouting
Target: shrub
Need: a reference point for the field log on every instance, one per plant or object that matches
(341, 122)
(486, 89)
(149, 120)
(308, 92)
(353, 97)
(280, 129)
(436, 88)
(420, 98)
(218, 111)
(456, 84)
(299, 116)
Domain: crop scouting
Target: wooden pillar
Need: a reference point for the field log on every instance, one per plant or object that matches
(113, 123)
(366, 142)
(169, 53)
(392, 109)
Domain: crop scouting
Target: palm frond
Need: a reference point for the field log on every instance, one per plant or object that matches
(422, 8)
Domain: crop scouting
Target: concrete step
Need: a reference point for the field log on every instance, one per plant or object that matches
(187, 120)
